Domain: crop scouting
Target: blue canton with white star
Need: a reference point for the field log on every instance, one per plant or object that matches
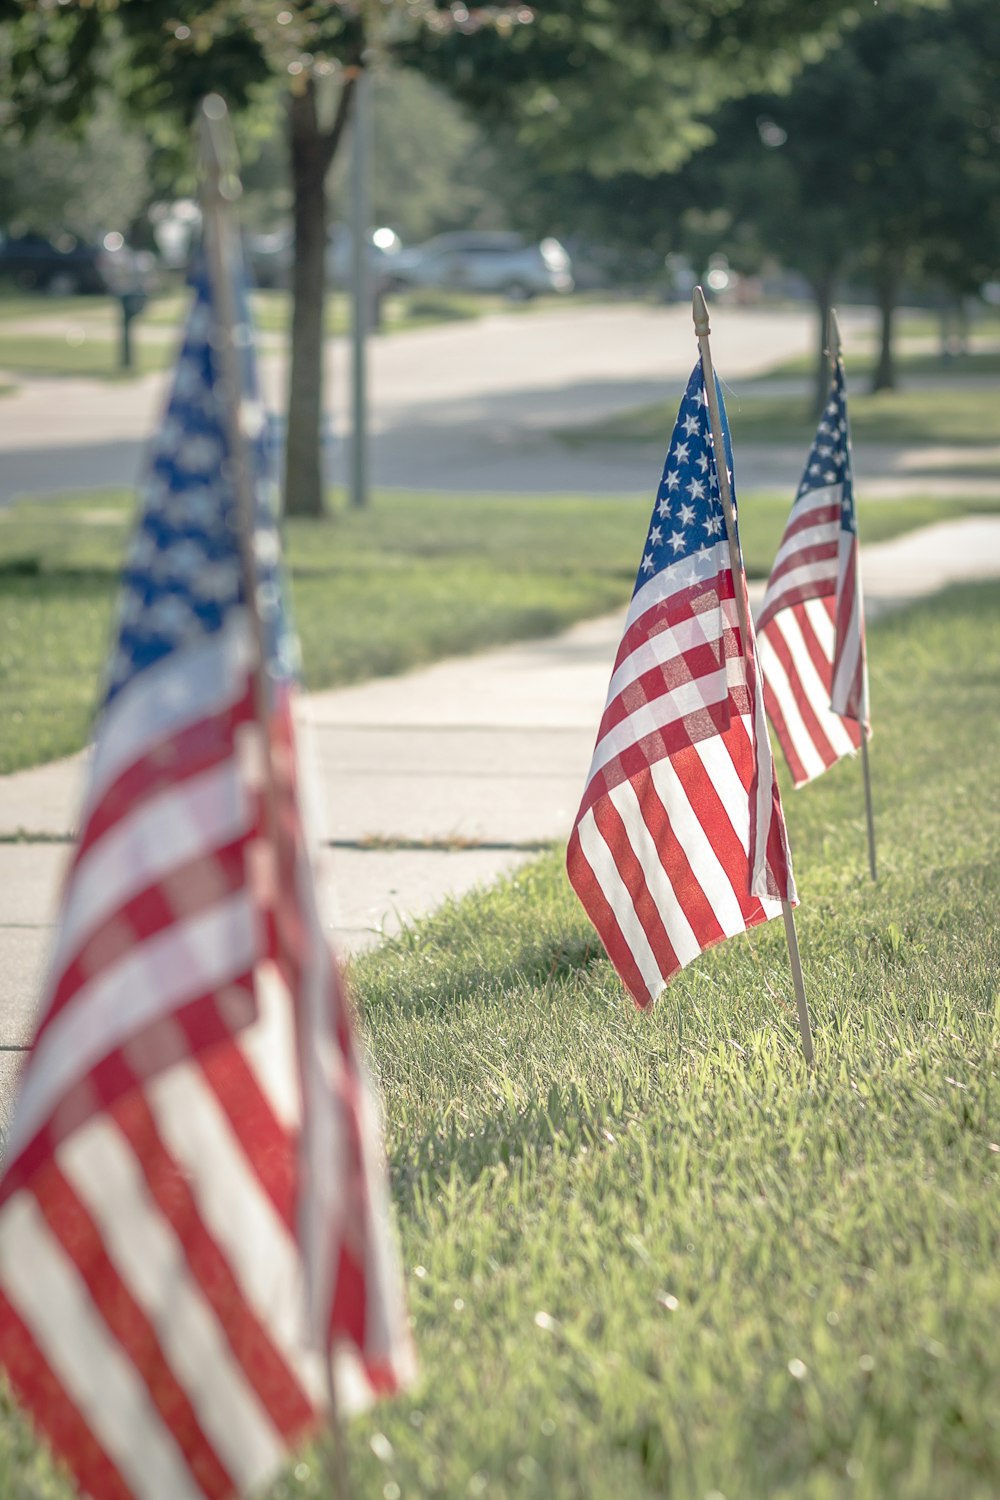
(687, 514)
(829, 460)
(183, 576)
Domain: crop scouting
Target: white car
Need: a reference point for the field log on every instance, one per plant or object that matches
(271, 256)
(484, 261)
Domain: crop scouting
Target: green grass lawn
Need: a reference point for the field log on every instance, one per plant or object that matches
(413, 579)
(79, 335)
(952, 415)
(650, 1255)
(93, 356)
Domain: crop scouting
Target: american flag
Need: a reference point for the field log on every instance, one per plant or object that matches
(811, 624)
(680, 840)
(194, 1239)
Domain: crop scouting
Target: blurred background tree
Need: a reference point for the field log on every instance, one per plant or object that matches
(837, 141)
(654, 70)
(86, 185)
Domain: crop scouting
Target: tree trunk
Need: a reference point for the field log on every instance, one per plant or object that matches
(823, 295)
(886, 289)
(312, 150)
(303, 443)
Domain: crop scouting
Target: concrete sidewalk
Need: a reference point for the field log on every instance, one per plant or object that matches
(435, 782)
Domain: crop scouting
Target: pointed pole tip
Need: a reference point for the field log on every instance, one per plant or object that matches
(833, 335)
(699, 310)
(218, 149)
(213, 107)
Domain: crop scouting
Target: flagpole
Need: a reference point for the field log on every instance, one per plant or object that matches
(834, 352)
(220, 190)
(702, 329)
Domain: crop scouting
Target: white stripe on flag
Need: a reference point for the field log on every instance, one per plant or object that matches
(153, 1266)
(239, 1215)
(705, 566)
(671, 912)
(616, 893)
(190, 959)
(806, 575)
(701, 630)
(268, 1045)
(43, 1284)
(820, 534)
(820, 617)
(174, 827)
(777, 680)
(722, 773)
(813, 685)
(165, 699)
(649, 718)
(690, 832)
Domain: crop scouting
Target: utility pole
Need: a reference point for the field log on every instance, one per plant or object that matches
(360, 293)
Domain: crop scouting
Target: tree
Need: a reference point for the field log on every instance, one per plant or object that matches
(881, 158)
(94, 183)
(654, 67)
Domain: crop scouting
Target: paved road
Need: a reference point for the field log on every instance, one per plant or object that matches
(465, 407)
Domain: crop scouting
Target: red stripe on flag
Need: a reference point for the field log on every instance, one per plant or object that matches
(714, 817)
(596, 905)
(73, 1227)
(612, 829)
(691, 897)
(165, 766)
(821, 552)
(803, 702)
(675, 608)
(264, 1367)
(269, 1148)
(785, 739)
(687, 667)
(713, 719)
(205, 1022)
(44, 1398)
(186, 891)
(848, 652)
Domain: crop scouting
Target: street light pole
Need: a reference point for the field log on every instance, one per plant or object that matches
(360, 296)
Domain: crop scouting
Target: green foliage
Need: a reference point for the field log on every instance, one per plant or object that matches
(607, 86)
(52, 184)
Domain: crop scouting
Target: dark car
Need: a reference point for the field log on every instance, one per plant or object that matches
(66, 266)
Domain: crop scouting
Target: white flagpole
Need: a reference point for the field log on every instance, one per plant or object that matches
(220, 190)
(834, 352)
(702, 329)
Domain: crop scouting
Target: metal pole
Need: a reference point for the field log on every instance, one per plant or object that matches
(702, 329)
(220, 189)
(835, 354)
(360, 295)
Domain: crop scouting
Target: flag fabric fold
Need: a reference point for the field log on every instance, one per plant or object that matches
(680, 841)
(811, 625)
(194, 1234)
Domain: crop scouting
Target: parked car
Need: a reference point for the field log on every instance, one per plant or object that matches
(66, 266)
(270, 256)
(486, 261)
